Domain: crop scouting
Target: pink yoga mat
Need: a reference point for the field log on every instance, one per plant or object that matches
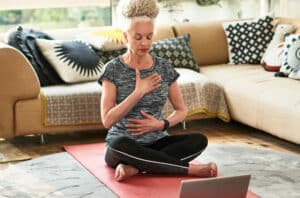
(146, 186)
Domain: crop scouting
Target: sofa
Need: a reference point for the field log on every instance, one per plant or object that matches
(253, 96)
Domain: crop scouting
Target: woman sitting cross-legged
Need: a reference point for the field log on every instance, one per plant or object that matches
(135, 87)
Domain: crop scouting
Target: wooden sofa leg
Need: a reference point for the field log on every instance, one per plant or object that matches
(184, 125)
(42, 138)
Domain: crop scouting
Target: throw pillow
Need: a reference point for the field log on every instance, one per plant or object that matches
(177, 51)
(248, 40)
(106, 39)
(272, 58)
(74, 60)
(106, 56)
(291, 63)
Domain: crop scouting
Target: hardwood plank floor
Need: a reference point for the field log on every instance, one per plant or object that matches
(216, 131)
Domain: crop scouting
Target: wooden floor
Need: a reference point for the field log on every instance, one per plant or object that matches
(216, 131)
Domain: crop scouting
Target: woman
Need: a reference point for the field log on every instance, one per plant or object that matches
(135, 87)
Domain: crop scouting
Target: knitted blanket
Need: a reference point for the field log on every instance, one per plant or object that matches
(80, 103)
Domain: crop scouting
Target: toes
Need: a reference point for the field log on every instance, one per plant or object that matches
(123, 172)
(214, 169)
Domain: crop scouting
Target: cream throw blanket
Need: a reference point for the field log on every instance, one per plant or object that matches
(80, 103)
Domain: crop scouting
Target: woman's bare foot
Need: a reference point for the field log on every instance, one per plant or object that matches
(203, 170)
(123, 172)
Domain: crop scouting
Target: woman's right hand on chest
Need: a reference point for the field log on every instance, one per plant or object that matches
(148, 84)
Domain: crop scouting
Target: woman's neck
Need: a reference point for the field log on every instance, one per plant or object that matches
(139, 62)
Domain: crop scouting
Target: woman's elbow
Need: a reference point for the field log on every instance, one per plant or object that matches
(106, 123)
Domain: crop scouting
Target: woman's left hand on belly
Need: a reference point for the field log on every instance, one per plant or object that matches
(144, 125)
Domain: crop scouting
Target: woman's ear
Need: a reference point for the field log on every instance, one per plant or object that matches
(125, 37)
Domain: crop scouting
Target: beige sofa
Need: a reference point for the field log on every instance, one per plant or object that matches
(254, 96)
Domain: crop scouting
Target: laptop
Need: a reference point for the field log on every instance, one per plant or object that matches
(217, 187)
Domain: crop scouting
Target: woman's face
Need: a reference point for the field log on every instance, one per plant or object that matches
(139, 36)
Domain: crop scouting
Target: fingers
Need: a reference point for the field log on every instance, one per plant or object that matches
(135, 129)
(146, 115)
(134, 120)
(137, 73)
(155, 77)
(134, 126)
(155, 80)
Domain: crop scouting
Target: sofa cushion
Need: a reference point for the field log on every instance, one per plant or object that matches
(291, 62)
(74, 60)
(248, 40)
(177, 51)
(208, 41)
(257, 98)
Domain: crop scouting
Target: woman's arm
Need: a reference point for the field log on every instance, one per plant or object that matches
(177, 102)
(112, 113)
(149, 123)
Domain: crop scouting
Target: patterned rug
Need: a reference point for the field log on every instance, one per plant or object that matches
(273, 174)
(10, 153)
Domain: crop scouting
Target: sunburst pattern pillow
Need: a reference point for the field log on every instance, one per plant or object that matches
(106, 39)
(73, 60)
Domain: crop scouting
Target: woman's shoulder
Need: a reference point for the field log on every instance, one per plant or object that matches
(160, 60)
(163, 63)
(113, 64)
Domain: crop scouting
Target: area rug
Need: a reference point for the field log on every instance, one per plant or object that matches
(52, 176)
(274, 175)
(10, 153)
(146, 186)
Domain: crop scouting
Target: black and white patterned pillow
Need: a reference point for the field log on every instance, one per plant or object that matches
(291, 57)
(106, 56)
(74, 60)
(177, 51)
(248, 40)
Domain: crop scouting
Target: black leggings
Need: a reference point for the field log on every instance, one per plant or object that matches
(168, 155)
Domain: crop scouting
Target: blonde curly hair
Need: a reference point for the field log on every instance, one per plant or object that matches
(138, 8)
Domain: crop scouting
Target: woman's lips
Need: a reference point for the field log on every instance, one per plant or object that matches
(144, 50)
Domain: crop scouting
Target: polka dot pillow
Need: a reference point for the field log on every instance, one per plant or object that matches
(248, 40)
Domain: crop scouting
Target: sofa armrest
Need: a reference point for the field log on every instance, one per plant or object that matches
(18, 81)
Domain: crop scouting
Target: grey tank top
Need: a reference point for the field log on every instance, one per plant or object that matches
(123, 77)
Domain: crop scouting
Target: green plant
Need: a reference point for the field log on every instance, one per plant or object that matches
(207, 2)
(170, 5)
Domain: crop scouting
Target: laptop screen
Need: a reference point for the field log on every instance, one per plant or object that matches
(217, 187)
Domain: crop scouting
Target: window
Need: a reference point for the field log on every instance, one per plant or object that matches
(54, 14)
(285, 8)
(205, 10)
